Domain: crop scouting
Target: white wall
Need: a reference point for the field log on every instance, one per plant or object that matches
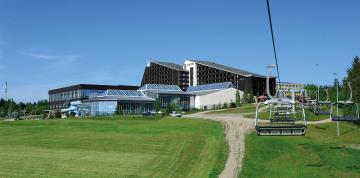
(215, 98)
(188, 64)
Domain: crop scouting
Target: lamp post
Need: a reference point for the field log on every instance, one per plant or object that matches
(337, 103)
(318, 87)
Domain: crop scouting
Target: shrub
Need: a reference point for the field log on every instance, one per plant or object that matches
(225, 105)
(232, 105)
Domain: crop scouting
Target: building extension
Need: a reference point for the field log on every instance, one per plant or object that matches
(138, 101)
(211, 96)
(60, 98)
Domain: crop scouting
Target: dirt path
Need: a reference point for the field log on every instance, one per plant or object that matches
(236, 128)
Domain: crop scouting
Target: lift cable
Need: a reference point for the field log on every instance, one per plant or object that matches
(273, 41)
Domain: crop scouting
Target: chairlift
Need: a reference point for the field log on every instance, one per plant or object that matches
(282, 115)
(344, 117)
(306, 99)
(318, 107)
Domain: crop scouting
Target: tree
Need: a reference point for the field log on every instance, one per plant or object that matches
(225, 104)
(169, 108)
(248, 97)
(118, 110)
(7, 107)
(157, 105)
(237, 98)
(353, 76)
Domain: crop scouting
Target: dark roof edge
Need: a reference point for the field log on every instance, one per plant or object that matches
(165, 65)
(93, 86)
(250, 74)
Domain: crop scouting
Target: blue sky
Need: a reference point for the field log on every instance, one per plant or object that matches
(47, 44)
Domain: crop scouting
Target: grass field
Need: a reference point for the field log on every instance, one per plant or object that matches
(319, 154)
(112, 148)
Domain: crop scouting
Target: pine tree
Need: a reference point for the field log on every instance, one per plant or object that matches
(353, 76)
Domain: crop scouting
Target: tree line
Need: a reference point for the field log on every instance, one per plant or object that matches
(9, 108)
(353, 76)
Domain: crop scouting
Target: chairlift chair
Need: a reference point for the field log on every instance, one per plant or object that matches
(282, 115)
(306, 100)
(349, 102)
(318, 109)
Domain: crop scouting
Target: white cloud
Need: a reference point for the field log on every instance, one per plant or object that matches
(49, 57)
(56, 60)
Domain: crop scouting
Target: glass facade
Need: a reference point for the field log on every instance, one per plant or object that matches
(102, 108)
(108, 108)
(132, 107)
(75, 94)
(181, 101)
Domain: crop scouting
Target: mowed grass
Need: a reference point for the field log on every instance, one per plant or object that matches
(318, 154)
(112, 148)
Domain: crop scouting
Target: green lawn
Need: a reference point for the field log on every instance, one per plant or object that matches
(318, 154)
(112, 148)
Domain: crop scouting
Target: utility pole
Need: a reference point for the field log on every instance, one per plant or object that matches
(337, 103)
(318, 87)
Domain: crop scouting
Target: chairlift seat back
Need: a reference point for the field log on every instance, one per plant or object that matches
(294, 130)
(345, 118)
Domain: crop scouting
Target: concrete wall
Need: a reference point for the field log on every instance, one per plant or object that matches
(222, 96)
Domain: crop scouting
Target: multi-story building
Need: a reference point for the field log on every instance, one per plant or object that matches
(165, 73)
(60, 98)
(204, 72)
(287, 86)
(139, 101)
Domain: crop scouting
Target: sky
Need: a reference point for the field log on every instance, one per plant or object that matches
(45, 44)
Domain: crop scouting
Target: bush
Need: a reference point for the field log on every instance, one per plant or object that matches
(57, 115)
(232, 105)
(225, 105)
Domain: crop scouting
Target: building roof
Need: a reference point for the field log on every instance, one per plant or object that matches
(210, 87)
(229, 69)
(127, 95)
(162, 88)
(170, 65)
(122, 93)
(93, 87)
(121, 98)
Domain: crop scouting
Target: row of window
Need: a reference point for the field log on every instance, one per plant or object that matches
(75, 94)
(55, 106)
